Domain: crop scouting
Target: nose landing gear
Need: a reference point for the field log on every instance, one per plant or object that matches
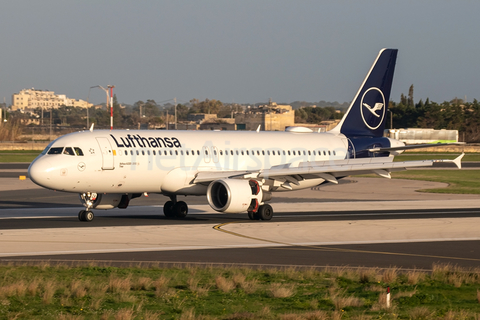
(85, 215)
(87, 200)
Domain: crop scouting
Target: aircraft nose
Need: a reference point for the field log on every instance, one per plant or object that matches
(39, 172)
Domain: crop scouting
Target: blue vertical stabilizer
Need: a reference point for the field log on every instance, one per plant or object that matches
(367, 114)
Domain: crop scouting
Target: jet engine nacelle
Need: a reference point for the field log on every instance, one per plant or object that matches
(112, 200)
(235, 195)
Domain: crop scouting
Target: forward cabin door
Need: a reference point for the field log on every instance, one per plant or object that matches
(107, 153)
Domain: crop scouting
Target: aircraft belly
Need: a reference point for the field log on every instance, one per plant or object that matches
(180, 181)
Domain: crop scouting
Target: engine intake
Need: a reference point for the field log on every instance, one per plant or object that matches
(234, 195)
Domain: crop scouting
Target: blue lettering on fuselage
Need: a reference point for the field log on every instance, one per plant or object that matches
(137, 141)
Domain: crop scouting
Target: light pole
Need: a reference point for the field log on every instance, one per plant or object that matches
(391, 118)
(111, 106)
(109, 97)
(175, 101)
(88, 97)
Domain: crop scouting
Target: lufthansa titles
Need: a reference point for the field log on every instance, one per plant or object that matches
(136, 140)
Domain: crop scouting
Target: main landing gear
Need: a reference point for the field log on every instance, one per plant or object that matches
(174, 208)
(264, 212)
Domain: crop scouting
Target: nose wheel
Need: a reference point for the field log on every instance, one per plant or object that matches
(86, 215)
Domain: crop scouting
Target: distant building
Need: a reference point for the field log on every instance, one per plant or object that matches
(221, 124)
(31, 99)
(201, 117)
(270, 117)
(422, 135)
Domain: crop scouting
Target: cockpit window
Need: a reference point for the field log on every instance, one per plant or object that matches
(47, 148)
(78, 151)
(55, 150)
(68, 151)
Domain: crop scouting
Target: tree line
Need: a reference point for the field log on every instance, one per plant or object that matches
(453, 115)
(456, 114)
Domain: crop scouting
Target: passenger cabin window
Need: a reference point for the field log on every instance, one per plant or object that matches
(55, 150)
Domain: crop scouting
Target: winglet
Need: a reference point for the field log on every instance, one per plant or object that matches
(259, 126)
(458, 161)
(91, 128)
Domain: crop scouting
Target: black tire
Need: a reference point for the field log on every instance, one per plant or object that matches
(180, 209)
(81, 215)
(89, 216)
(265, 212)
(253, 215)
(168, 209)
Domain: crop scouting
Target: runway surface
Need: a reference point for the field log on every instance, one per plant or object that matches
(360, 222)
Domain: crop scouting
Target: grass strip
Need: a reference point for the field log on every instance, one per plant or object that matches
(98, 292)
(18, 155)
(431, 156)
(459, 181)
(17, 158)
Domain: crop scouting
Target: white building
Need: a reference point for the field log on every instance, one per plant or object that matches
(31, 99)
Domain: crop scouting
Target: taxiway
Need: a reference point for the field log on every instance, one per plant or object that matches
(361, 222)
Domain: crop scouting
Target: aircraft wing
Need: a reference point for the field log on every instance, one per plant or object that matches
(327, 170)
(209, 176)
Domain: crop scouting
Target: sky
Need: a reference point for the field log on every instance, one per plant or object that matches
(237, 51)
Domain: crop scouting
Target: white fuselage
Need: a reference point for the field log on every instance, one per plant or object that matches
(136, 161)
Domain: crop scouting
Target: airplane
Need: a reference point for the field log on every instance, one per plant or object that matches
(238, 171)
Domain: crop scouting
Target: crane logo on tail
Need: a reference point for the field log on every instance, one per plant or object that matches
(372, 108)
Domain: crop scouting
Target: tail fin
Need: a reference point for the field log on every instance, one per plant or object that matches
(367, 113)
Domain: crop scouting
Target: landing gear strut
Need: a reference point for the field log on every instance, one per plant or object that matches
(174, 208)
(264, 212)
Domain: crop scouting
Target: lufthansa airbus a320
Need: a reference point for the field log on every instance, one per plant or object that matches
(238, 171)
